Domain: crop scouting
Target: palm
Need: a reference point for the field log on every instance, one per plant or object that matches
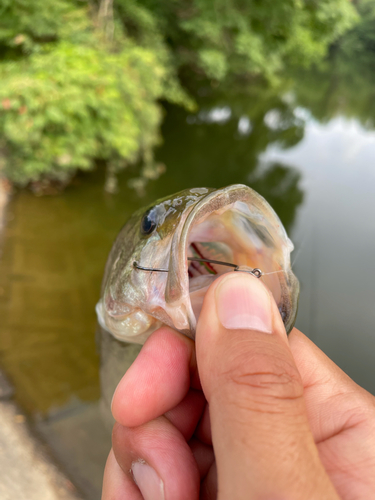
(338, 412)
(339, 425)
(341, 415)
(343, 439)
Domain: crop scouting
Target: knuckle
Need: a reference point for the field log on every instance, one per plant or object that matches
(266, 383)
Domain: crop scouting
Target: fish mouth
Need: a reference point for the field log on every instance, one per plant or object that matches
(237, 226)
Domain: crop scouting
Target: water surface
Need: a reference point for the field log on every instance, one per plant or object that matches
(317, 171)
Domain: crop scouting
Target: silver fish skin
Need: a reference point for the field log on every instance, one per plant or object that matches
(233, 224)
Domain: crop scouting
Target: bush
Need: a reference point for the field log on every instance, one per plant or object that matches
(65, 107)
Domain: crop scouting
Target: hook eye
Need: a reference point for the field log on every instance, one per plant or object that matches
(254, 272)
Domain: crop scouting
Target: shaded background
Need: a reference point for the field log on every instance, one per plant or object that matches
(306, 143)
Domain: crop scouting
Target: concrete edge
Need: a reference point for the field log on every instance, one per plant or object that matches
(27, 470)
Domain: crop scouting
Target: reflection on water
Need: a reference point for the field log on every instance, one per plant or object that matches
(319, 177)
(336, 229)
(221, 145)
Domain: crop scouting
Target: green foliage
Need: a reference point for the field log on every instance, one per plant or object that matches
(72, 104)
(328, 90)
(82, 81)
(228, 39)
(69, 96)
(27, 22)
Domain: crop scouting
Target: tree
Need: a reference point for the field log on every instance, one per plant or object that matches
(83, 81)
(228, 39)
(327, 90)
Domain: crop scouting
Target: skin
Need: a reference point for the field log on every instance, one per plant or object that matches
(284, 422)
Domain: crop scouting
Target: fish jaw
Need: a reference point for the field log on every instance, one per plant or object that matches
(133, 301)
(134, 327)
(284, 285)
(177, 294)
(237, 219)
(124, 320)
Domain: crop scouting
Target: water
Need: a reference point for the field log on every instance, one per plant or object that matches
(336, 228)
(317, 173)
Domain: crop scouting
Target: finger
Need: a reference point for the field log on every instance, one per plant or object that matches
(157, 381)
(260, 432)
(159, 459)
(116, 484)
(327, 388)
(186, 415)
(209, 485)
(203, 430)
(203, 455)
(342, 419)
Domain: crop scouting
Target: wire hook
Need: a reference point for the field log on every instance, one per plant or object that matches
(255, 272)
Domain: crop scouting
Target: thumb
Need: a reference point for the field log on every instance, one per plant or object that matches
(261, 437)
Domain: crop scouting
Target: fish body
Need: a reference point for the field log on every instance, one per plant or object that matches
(234, 224)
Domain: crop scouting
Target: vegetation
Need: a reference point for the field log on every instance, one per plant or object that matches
(82, 81)
(347, 77)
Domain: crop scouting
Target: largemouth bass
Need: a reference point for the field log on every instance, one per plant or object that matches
(234, 225)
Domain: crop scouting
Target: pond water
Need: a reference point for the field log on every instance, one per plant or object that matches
(318, 174)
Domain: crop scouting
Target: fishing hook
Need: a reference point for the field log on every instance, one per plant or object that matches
(255, 272)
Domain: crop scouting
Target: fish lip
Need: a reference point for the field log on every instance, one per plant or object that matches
(102, 313)
(114, 308)
(177, 286)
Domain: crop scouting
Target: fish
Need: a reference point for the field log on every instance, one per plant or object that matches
(233, 224)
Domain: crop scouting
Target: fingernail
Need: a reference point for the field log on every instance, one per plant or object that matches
(242, 302)
(147, 480)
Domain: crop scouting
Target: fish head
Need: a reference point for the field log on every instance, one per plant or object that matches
(234, 224)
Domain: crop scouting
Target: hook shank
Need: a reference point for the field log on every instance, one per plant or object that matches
(255, 272)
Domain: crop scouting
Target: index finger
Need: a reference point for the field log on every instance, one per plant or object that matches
(158, 380)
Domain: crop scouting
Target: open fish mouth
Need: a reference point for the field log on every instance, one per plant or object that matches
(233, 225)
(157, 283)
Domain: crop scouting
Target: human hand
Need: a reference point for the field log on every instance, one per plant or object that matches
(284, 422)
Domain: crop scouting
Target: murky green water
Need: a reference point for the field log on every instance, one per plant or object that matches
(55, 247)
(319, 175)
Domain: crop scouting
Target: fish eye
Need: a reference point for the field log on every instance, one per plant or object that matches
(148, 223)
